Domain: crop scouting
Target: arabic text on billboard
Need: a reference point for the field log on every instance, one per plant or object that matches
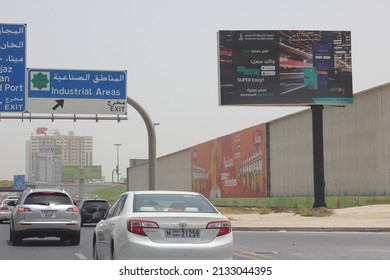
(285, 67)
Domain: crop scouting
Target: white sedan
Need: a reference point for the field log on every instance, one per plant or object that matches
(163, 225)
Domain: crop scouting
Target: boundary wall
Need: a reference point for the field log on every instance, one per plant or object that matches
(356, 152)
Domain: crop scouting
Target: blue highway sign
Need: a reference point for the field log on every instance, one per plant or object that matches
(19, 182)
(76, 91)
(12, 67)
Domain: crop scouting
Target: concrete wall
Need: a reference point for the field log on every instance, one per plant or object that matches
(291, 155)
(356, 152)
(357, 145)
(356, 148)
(173, 173)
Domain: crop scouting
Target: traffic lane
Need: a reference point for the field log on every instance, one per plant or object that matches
(285, 245)
(54, 249)
(46, 248)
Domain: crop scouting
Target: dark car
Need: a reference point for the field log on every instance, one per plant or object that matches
(92, 210)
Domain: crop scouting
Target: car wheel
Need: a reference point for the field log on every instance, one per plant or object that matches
(74, 239)
(14, 238)
(95, 251)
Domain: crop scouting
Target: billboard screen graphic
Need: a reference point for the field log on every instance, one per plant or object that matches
(82, 172)
(288, 68)
(231, 166)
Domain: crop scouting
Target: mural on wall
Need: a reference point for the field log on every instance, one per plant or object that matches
(231, 166)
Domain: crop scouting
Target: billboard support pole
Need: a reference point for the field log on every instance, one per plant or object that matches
(152, 144)
(318, 156)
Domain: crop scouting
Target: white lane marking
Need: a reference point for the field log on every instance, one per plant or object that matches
(81, 256)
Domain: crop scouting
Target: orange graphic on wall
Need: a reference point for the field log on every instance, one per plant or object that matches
(231, 166)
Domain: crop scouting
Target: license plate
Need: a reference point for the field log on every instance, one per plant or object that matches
(182, 233)
(48, 214)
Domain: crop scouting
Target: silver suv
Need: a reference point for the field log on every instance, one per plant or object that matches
(45, 213)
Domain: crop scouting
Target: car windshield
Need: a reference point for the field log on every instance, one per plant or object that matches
(172, 203)
(48, 198)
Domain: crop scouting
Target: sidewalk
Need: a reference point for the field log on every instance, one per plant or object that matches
(372, 218)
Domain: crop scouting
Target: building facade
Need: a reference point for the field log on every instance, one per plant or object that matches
(47, 151)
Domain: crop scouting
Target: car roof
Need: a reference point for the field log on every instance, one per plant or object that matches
(52, 190)
(163, 192)
(46, 190)
(8, 198)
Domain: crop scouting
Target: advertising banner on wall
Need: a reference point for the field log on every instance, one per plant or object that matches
(288, 68)
(231, 166)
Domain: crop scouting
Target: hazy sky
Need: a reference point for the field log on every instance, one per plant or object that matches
(169, 49)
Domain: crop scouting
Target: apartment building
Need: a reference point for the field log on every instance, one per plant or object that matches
(48, 150)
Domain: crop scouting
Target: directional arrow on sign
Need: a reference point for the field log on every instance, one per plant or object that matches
(60, 102)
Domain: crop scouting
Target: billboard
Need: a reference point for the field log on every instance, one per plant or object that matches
(289, 68)
(82, 172)
(231, 166)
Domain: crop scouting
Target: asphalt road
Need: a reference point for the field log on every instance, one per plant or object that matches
(247, 246)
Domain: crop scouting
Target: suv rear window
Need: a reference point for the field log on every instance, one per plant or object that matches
(97, 203)
(46, 198)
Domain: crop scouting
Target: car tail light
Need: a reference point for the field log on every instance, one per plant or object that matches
(223, 226)
(72, 209)
(3, 208)
(24, 209)
(137, 226)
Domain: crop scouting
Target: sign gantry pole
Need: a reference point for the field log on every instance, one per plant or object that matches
(152, 143)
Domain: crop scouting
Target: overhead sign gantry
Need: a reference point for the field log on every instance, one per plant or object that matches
(61, 92)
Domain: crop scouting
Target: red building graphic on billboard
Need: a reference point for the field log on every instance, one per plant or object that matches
(231, 166)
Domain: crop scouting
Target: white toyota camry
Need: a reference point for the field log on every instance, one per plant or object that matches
(163, 225)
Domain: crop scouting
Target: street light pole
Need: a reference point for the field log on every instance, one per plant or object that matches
(117, 161)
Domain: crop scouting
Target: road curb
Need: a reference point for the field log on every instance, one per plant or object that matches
(315, 229)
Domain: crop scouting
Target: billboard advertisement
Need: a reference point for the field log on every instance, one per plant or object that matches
(82, 172)
(287, 68)
(231, 166)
